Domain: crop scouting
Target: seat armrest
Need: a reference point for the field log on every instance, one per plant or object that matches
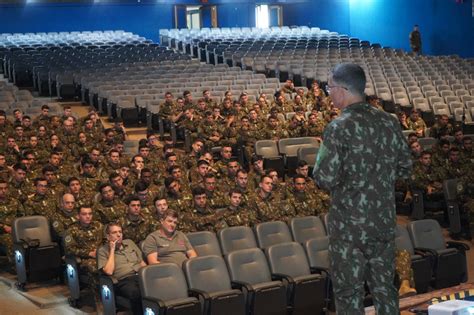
(458, 245)
(199, 294)
(283, 278)
(152, 301)
(242, 286)
(426, 251)
(320, 270)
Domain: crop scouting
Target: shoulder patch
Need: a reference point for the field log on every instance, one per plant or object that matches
(68, 239)
(55, 224)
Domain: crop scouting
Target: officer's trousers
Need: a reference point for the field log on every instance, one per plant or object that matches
(352, 263)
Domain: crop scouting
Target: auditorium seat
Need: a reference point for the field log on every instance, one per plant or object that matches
(205, 243)
(271, 233)
(236, 238)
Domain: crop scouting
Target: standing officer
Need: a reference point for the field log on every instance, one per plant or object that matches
(363, 153)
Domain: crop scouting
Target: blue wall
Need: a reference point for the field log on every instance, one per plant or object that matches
(143, 19)
(446, 26)
(331, 15)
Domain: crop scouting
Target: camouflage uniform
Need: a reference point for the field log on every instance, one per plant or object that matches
(237, 216)
(80, 240)
(201, 219)
(423, 176)
(61, 221)
(10, 209)
(109, 211)
(305, 204)
(40, 205)
(363, 153)
(136, 230)
(266, 209)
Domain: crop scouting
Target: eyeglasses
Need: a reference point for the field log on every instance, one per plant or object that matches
(329, 87)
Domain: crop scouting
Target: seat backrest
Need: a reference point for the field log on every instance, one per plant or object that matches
(290, 146)
(306, 228)
(208, 273)
(236, 238)
(308, 154)
(271, 233)
(427, 234)
(205, 243)
(30, 228)
(154, 278)
(402, 239)
(249, 265)
(317, 250)
(451, 188)
(288, 259)
(266, 148)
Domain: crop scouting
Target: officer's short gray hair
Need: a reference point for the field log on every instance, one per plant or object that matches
(350, 76)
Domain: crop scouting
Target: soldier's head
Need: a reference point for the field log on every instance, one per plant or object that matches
(55, 159)
(454, 154)
(134, 205)
(210, 182)
(84, 214)
(201, 104)
(443, 120)
(19, 130)
(74, 185)
(171, 159)
(273, 174)
(425, 158)
(106, 192)
(153, 140)
(226, 152)
(199, 197)
(232, 167)
(144, 151)
(188, 97)
(19, 172)
(114, 157)
(41, 185)
(346, 84)
(207, 156)
(161, 205)
(141, 191)
(273, 121)
(242, 178)
(3, 189)
(169, 222)
(146, 176)
(18, 114)
(257, 163)
(11, 143)
(206, 94)
(168, 96)
(45, 110)
(414, 115)
(114, 233)
(3, 160)
(412, 137)
(49, 172)
(467, 143)
(235, 197)
(172, 185)
(197, 145)
(299, 182)
(138, 162)
(302, 168)
(266, 184)
(416, 148)
(109, 134)
(116, 180)
(444, 145)
(124, 171)
(175, 172)
(67, 202)
(88, 167)
(202, 167)
(458, 135)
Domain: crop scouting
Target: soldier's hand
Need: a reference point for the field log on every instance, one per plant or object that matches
(7, 229)
(93, 253)
(429, 190)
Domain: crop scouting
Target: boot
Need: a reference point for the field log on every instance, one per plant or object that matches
(405, 289)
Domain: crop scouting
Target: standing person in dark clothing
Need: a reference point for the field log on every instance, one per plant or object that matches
(415, 40)
(362, 154)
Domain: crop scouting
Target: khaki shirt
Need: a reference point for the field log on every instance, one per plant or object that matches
(169, 250)
(127, 259)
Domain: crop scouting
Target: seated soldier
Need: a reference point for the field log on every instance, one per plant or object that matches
(167, 245)
(64, 217)
(235, 214)
(427, 178)
(136, 225)
(109, 208)
(82, 239)
(10, 209)
(121, 259)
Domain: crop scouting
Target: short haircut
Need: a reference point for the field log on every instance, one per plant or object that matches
(198, 191)
(170, 213)
(72, 179)
(131, 198)
(235, 191)
(298, 176)
(302, 163)
(84, 206)
(39, 179)
(141, 186)
(350, 76)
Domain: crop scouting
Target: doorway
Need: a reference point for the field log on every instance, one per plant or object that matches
(195, 17)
